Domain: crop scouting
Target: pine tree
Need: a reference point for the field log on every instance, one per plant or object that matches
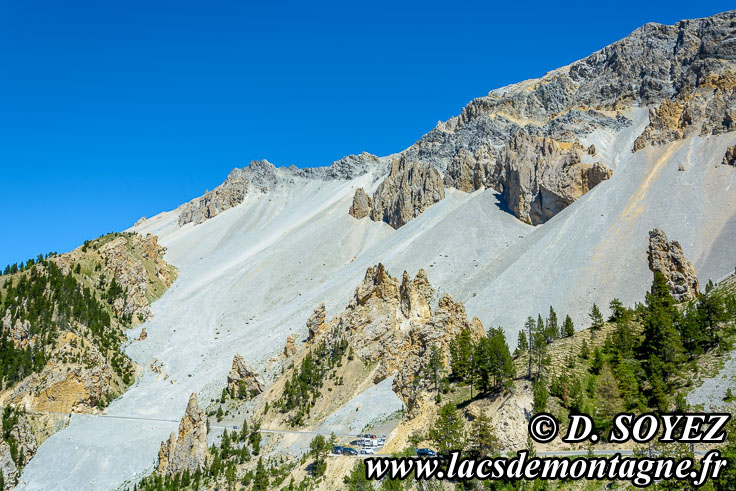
(540, 396)
(522, 346)
(597, 363)
(461, 355)
(711, 309)
(596, 318)
(568, 328)
(584, 350)
(318, 448)
(448, 432)
(552, 327)
(483, 437)
(357, 480)
(529, 327)
(494, 365)
(617, 310)
(538, 344)
(662, 338)
(260, 481)
(435, 365)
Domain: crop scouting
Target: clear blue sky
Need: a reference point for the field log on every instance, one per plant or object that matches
(112, 110)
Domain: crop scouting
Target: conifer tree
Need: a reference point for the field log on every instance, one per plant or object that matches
(540, 396)
(260, 481)
(461, 355)
(529, 327)
(568, 328)
(435, 365)
(448, 432)
(483, 437)
(521, 346)
(596, 318)
(552, 327)
(662, 338)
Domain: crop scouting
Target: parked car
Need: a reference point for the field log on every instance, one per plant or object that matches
(367, 451)
(349, 451)
(425, 452)
(337, 450)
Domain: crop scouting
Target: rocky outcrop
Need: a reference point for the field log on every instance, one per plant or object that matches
(64, 385)
(730, 157)
(362, 204)
(391, 323)
(19, 432)
(408, 190)
(667, 258)
(243, 381)
(135, 262)
(259, 176)
(539, 177)
(187, 449)
(290, 345)
(705, 108)
(7, 466)
(316, 321)
(126, 258)
(685, 73)
(344, 169)
(470, 171)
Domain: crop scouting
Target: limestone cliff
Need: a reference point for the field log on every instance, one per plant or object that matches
(258, 176)
(667, 258)
(391, 323)
(685, 73)
(242, 380)
(409, 189)
(187, 449)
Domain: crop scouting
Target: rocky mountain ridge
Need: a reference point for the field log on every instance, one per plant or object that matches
(260, 176)
(526, 140)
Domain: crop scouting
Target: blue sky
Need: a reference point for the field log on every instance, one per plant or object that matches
(119, 109)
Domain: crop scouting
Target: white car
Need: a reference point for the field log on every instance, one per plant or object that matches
(367, 451)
